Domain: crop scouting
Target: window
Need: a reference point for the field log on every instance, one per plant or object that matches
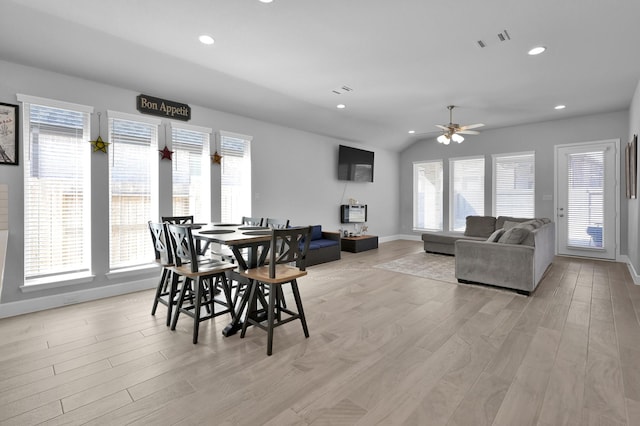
(514, 185)
(133, 188)
(191, 172)
(57, 223)
(427, 195)
(466, 190)
(235, 177)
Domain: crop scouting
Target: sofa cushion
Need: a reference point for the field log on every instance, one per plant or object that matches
(515, 235)
(316, 232)
(502, 219)
(493, 238)
(316, 244)
(480, 226)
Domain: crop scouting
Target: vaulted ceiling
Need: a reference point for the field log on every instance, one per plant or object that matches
(403, 60)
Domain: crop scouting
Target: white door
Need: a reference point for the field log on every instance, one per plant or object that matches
(586, 200)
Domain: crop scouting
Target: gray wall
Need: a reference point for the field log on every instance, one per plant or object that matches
(634, 205)
(538, 137)
(294, 175)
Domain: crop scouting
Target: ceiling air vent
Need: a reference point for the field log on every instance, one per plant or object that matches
(341, 90)
(481, 43)
(504, 36)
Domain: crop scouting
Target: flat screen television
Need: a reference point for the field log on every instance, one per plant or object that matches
(355, 164)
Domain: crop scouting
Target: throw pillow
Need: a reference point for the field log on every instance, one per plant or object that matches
(509, 224)
(514, 236)
(480, 226)
(493, 238)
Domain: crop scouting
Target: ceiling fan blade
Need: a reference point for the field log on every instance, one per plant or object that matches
(440, 126)
(426, 133)
(471, 126)
(468, 132)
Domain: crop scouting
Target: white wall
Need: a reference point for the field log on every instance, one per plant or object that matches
(538, 137)
(294, 176)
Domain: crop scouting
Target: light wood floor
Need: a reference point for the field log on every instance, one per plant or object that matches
(385, 348)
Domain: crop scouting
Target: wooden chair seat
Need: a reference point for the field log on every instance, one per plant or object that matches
(284, 274)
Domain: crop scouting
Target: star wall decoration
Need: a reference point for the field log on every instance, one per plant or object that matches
(99, 144)
(216, 158)
(165, 153)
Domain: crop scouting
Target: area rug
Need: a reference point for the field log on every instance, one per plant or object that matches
(427, 265)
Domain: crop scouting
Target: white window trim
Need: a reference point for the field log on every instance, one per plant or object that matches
(54, 103)
(493, 175)
(133, 117)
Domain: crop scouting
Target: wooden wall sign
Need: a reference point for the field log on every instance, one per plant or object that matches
(163, 108)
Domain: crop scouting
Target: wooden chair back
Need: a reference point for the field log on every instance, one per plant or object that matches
(184, 249)
(178, 220)
(161, 243)
(289, 245)
(277, 223)
(252, 221)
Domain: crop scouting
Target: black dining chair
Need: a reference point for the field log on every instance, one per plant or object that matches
(201, 280)
(167, 288)
(288, 247)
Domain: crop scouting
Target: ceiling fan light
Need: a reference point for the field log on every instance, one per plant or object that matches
(457, 138)
(443, 139)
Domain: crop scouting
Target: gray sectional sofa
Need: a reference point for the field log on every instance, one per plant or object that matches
(506, 252)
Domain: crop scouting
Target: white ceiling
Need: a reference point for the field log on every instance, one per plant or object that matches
(406, 60)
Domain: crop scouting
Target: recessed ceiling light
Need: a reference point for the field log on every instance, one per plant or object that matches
(206, 39)
(560, 107)
(341, 106)
(537, 50)
(411, 132)
(266, 1)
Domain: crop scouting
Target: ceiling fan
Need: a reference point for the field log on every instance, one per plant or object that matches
(453, 131)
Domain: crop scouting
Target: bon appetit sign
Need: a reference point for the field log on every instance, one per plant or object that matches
(163, 108)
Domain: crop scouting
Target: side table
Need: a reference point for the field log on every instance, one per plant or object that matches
(358, 244)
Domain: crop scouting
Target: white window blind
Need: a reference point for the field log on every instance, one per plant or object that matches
(191, 174)
(427, 195)
(585, 210)
(133, 190)
(235, 177)
(57, 191)
(514, 185)
(466, 190)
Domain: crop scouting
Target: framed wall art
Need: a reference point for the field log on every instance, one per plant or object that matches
(9, 134)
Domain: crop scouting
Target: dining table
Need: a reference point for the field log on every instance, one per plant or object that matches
(249, 245)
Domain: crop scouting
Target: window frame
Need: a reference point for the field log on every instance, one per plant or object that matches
(83, 271)
(494, 181)
(416, 201)
(205, 208)
(154, 170)
(452, 185)
(247, 175)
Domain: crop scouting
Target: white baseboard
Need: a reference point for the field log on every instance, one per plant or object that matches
(55, 301)
(634, 274)
(400, 237)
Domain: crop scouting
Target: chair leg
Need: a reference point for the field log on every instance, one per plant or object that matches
(250, 302)
(296, 295)
(162, 285)
(198, 287)
(173, 290)
(181, 297)
(227, 294)
(271, 317)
